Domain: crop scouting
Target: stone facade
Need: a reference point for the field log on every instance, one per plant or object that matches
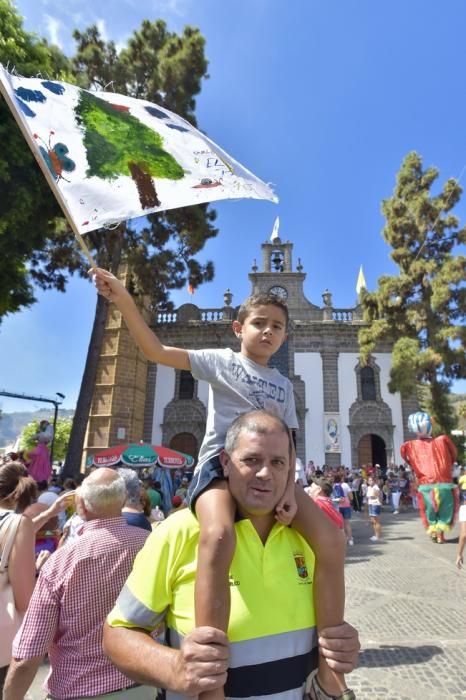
(329, 333)
(320, 357)
(120, 393)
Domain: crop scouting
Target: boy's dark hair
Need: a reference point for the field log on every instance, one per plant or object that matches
(265, 299)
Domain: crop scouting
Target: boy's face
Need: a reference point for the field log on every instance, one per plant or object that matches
(262, 333)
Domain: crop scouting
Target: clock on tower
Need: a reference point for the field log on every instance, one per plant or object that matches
(279, 292)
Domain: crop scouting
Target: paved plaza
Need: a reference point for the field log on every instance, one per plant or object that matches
(409, 603)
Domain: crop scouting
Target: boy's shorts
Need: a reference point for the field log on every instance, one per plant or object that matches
(202, 478)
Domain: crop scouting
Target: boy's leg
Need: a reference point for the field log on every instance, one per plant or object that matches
(215, 510)
(329, 546)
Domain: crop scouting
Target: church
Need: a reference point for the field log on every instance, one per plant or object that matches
(346, 414)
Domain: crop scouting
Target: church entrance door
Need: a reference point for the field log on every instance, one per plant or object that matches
(372, 450)
(184, 442)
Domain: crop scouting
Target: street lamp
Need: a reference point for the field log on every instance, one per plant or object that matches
(56, 404)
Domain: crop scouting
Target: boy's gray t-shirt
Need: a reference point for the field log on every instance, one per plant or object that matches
(238, 385)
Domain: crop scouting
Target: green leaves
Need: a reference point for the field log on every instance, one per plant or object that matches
(36, 246)
(421, 310)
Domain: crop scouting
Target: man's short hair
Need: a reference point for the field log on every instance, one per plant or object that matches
(96, 496)
(250, 422)
(261, 300)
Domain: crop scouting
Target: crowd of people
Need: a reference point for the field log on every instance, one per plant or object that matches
(86, 534)
(363, 491)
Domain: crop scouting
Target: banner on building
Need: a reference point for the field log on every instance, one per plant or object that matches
(332, 432)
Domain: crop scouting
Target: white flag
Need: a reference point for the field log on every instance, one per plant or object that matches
(109, 157)
(276, 225)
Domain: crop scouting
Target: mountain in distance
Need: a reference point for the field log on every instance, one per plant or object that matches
(11, 424)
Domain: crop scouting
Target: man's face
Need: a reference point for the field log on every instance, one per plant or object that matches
(257, 470)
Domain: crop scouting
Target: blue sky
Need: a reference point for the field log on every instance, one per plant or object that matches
(321, 98)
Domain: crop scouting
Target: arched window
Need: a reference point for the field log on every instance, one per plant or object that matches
(186, 387)
(368, 384)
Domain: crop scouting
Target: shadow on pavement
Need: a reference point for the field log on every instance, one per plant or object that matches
(393, 655)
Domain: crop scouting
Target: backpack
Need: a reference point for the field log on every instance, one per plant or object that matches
(338, 491)
(10, 618)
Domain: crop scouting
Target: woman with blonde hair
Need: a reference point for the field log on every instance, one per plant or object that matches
(17, 560)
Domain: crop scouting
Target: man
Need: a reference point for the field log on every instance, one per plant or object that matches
(272, 632)
(76, 589)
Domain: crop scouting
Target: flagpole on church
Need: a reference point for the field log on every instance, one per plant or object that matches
(47, 174)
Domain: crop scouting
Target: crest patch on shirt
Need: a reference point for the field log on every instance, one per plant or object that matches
(301, 567)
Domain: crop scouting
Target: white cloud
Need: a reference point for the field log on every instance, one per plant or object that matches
(101, 26)
(174, 7)
(53, 26)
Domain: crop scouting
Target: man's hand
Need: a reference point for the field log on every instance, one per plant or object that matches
(203, 661)
(340, 647)
(107, 284)
(459, 561)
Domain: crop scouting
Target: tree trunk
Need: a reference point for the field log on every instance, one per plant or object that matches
(83, 406)
(146, 189)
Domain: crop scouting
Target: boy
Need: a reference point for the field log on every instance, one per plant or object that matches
(238, 383)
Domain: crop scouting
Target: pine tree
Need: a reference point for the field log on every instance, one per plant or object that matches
(166, 69)
(422, 309)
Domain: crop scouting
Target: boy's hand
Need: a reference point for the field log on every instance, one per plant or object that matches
(107, 284)
(286, 508)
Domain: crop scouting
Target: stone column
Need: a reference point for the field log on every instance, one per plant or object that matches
(331, 398)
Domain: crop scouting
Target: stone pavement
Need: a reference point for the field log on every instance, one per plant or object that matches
(408, 602)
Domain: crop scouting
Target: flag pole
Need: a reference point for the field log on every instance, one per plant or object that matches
(47, 174)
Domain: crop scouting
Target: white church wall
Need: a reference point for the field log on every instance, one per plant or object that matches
(308, 365)
(164, 393)
(383, 360)
(347, 394)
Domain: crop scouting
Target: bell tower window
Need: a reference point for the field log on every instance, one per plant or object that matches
(277, 260)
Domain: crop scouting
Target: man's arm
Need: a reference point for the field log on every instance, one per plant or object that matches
(112, 289)
(200, 665)
(20, 676)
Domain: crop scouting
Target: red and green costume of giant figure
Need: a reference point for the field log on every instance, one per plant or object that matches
(431, 460)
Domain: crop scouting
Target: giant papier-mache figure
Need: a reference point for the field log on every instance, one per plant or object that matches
(431, 460)
(38, 459)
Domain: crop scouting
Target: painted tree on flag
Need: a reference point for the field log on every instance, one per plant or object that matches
(117, 143)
